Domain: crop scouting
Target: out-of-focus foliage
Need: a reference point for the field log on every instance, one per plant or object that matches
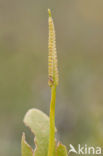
(26, 149)
(61, 150)
(38, 122)
(23, 69)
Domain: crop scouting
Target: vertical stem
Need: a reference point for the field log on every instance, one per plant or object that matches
(52, 122)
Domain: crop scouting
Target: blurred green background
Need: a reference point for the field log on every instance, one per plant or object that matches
(24, 73)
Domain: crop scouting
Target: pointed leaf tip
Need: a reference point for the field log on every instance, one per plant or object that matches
(61, 150)
(25, 147)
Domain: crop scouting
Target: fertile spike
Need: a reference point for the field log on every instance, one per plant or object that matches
(52, 56)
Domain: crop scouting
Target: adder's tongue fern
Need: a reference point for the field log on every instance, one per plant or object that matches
(52, 81)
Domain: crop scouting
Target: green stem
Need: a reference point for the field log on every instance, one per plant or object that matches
(52, 122)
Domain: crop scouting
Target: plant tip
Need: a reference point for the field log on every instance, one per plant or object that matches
(49, 12)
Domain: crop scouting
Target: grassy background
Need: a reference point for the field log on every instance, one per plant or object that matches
(23, 69)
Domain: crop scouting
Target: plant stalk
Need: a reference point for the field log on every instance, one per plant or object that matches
(51, 148)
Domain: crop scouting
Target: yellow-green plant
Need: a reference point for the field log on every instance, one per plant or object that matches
(52, 81)
(40, 124)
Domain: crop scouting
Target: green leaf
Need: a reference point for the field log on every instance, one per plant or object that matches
(38, 122)
(26, 149)
(61, 150)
